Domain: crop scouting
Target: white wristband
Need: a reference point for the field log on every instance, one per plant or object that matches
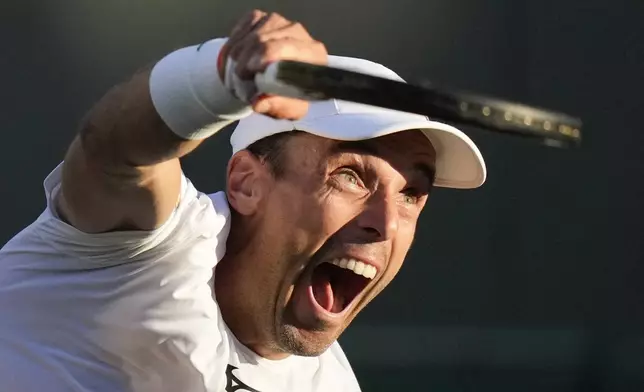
(188, 94)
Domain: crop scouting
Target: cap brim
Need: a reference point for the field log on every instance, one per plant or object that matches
(459, 163)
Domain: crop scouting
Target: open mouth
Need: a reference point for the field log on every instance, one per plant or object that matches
(338, 282)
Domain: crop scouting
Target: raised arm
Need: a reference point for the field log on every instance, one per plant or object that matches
(122, 170)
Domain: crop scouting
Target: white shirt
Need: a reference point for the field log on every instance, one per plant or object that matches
(134, 311)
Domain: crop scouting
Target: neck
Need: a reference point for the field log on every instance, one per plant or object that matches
(234, 280)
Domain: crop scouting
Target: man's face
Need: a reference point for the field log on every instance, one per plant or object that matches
(330, 233)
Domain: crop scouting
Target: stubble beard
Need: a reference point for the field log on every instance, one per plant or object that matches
(291, 341)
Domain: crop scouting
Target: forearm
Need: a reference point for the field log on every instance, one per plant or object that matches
(124, 130)
(161, 113)
(122, 170)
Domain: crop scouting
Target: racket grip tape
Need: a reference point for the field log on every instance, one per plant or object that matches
(268, 82)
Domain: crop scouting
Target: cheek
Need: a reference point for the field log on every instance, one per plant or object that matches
(324, 211)
(308, 216)
(301, 219)
(400, 248)
(335, 211)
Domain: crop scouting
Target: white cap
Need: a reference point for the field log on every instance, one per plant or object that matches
(459, 163)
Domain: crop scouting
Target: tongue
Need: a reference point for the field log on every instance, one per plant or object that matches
(322, 290)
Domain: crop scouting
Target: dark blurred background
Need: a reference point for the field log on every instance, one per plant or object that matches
(533, 282)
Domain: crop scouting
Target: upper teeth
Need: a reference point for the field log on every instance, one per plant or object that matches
(358, 267)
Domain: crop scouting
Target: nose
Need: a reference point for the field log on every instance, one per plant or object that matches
(379, 219)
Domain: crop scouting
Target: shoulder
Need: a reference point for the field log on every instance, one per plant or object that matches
(142, 297)
(196, 216)
(336, 355)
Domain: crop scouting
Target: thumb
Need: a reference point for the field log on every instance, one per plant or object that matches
(280, 107)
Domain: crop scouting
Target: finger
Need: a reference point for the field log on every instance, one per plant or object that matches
(285, 49)
(241, 38)
(252, 43)
(289, 29)
(246, 51)
(241, 30)
(268, 23)
(281, 107)
(246, 24)
(274, 21)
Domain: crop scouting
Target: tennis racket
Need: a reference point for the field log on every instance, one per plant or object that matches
(315, 82)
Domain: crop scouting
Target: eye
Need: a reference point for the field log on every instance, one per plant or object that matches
(410, 199)
(349, 176)
(346, 177)
(412, 196)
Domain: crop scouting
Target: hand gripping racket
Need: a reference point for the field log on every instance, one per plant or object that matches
(315, 82)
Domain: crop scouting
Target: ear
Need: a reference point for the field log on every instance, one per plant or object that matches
(247, 182)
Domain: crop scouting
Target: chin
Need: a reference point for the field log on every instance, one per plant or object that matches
(305, 343)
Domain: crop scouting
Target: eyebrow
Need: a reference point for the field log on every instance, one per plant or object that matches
(355, 146)
(364, 147)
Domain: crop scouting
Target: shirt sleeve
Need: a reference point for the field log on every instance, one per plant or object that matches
(103, 310)
(195, 216)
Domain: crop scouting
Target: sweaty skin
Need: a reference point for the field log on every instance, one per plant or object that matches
(122, 171)
(335, 199)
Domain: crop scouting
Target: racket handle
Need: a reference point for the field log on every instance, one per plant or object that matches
(268, 82)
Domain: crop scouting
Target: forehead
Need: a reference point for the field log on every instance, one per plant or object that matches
(403, 150)
(407, 144)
